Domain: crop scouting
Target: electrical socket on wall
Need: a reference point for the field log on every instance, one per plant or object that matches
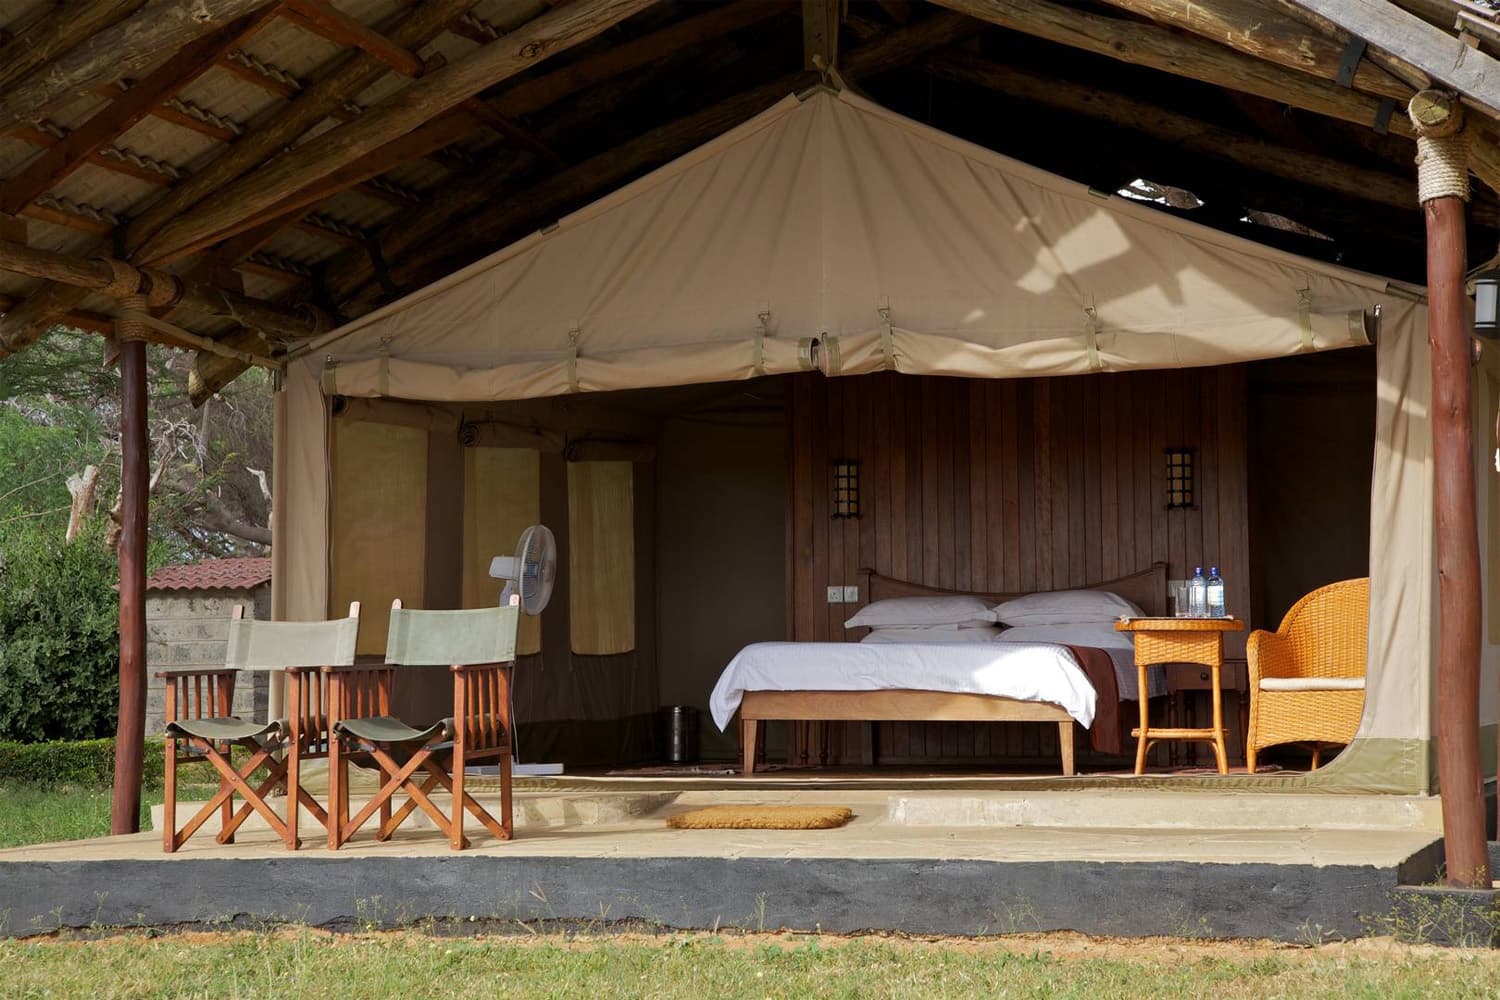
(835, 595)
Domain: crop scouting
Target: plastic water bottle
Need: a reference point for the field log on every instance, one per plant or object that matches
(1215, 593)
(1197, 594)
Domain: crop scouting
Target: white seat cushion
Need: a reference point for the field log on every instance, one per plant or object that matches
(1312, 683)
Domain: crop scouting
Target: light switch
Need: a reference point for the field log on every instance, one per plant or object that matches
(851, 595)
(835, 595)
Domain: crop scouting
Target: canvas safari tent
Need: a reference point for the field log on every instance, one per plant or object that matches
(830, 235)
(235, 178)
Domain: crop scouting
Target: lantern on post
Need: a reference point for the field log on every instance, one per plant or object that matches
(1487, 302)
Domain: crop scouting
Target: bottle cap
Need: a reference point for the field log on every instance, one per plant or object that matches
(1197, 570)
(1213, 571)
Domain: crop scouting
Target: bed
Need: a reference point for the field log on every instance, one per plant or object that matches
(983, 682)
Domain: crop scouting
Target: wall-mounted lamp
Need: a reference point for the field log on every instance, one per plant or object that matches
(1180, 462)
(845, 488)
(1487, 304)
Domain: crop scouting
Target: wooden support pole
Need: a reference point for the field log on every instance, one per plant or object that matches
(130, 729)
(1443, 190)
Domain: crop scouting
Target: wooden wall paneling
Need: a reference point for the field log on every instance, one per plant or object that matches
(1019, 477)
(1093, 550)
(979, 486)
(1199, 537)
(915, 534)
(835, 527)
(1109, 494)
(1075, 446)
(1207, 473)
(1177, 543)
(963, 493)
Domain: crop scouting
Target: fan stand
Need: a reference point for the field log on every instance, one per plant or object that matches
(518, 769)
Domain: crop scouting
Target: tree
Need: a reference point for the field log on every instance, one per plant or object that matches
(59, 412)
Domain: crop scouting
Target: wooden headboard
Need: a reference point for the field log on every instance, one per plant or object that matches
(1146, 589)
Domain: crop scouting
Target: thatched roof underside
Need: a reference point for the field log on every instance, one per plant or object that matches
(1235, 113)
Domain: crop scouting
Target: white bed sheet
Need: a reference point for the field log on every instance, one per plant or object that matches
(1024, 671)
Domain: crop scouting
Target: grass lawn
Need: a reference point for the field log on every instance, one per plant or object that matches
(308, 962)
(33, 815)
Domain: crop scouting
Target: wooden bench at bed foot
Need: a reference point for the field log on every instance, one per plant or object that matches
(757, 707)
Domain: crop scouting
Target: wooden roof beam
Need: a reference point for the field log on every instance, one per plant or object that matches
(126, 47)
(318, 101)
(1210, 140)
(162, 291)
(1256, 30)
(349, 282)
(56, 31)
(820, 33)
(116, 118)
(531, 96)
(239, 206)
(1423, 50)
(1185, 55)
(326, 20)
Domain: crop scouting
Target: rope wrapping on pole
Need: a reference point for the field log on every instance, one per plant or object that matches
(1442, 146)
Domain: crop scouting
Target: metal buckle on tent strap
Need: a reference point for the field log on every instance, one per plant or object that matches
(887, 341)
(758, 351)
(807, 353)
(1091, 338)
(1304, 316)
(330, 376)
(832, 359)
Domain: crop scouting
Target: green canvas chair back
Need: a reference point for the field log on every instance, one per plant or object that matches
(445, 638)
(272, 645)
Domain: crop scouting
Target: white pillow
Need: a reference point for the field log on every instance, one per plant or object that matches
(1063, 607)
(1100, 635)
(909, 612)
(939, 633)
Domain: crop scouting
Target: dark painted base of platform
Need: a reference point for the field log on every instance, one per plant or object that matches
(1287, 902)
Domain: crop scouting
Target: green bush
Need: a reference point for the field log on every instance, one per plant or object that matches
(59, 636)
(83, 763)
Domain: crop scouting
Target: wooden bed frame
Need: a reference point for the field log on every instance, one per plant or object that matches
(1147, 589)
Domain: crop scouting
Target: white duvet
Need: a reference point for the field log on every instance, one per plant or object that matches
(1024, 671)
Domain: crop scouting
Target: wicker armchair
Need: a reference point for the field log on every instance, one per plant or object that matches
(1307, 679)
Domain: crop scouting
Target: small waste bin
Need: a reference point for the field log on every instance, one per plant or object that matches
(679, 729)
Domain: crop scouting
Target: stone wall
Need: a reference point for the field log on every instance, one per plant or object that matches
(188, 629)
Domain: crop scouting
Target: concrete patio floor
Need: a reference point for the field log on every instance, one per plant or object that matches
(921, 861)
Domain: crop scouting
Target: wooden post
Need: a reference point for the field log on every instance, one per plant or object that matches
(1443, 189)
(130, 730)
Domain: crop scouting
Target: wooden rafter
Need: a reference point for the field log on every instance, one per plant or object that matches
(338, 27)
(348, 280)
(120, 50)
(56, 31)
(116, 118)
(354, 72)
(531, 96)
(1188, 56)
(820, 33)
(423, 100)
(1184, 132)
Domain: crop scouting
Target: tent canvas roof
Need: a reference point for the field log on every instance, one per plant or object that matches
(892, 244)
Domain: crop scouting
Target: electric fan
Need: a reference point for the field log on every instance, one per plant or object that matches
(528, 577)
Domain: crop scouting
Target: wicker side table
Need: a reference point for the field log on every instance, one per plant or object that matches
(1180, 640)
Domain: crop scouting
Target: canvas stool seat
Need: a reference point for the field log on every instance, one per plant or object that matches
(199, 718)
(478, 647)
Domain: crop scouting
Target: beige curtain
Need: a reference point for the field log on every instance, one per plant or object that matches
(379, 522)
(502, 498)
(601, 557)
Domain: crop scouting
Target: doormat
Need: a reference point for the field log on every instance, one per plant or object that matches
(762, 818)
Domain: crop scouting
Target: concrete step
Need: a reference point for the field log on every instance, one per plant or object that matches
(535, 811)
(1150, 809)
